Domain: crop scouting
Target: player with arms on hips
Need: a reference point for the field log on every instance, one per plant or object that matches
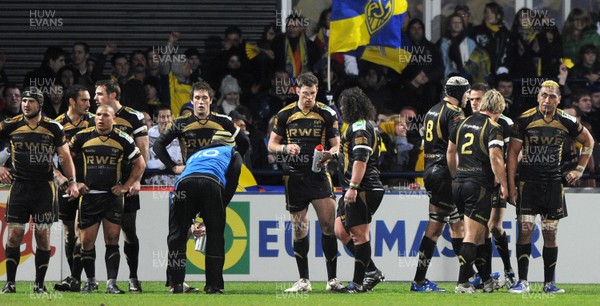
(539, 134)
(297, 130)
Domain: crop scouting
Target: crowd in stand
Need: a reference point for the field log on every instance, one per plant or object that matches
(255, 79)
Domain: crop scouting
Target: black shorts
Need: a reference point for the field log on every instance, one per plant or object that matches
(32, 198)
(132, 204)
(302, 189)
(360, 212)
(473, 200)
(67, 209)
(438, 183)
(544, 198)
(497, 201)
(93, 208)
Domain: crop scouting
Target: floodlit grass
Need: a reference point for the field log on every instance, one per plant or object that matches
(271, 293)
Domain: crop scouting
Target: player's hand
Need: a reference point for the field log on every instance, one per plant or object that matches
(119, 190)
(134, 189)
(512, 196)
(504, 193)
(325, 158)
(350, 196)
(83, 188)
(5, 176)
(178, 169)
(197, 231)
(72, 191)
(573, 176)
(292, 149)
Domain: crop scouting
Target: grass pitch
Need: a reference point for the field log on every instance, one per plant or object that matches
(271, 293)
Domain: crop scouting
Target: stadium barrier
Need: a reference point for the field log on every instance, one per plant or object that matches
(259, 242)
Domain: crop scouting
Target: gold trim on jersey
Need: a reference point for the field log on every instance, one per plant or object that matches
(289, 106)
(122, 122)
(97, 141)
(26, 129)
(528, 112)
(438, 129)
(453, 107)
(553, 124)
(209, 124)
(346, 157)
(482, 144)
(300, 115)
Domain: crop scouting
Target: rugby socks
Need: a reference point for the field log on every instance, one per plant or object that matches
(301, 252)
(13, 256)
(456, 247)
(426, 250)
(523, 253)
(112, 257)
(550, 256)
(502, 247)
(371, 266)
(481, 262)
(77, 265)
(468, 252)
(132, 253)
(69, 247)
(330, 250)
(361, 261)
(42, 258)
(88, 261)
(489, 253)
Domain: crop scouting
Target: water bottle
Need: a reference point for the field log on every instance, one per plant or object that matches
(201, 241)
(316, 158)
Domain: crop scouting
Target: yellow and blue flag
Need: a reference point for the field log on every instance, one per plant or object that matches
(371, 29)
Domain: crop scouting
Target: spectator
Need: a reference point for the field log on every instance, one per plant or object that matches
(294, 52)
(164, 118)
(413, 134)
(523, 45)
(68, 76)
(57, 104)
(572, 150)
(492, 35)
(175, 80)
(424, 53)
(415, 90)
(587, 70)
(504, 84)
(582, 100)
(133, 93)
(192, 55)
(46, 74)
(229, 99)
(578, 31)
(376, 86)
(455, 46)
(595, 112)
(551, 48)
(151, 87)
(263, 64)
(267, 103)
(321, 39)
(465, 13)
(3, 78)
(12, 99)
(80, 53)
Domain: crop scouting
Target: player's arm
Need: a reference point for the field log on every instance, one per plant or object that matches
(332, 153)
(498, 167)
(133, 182)
(514, 148)
(586, 152)
(361, 154)
(242, 142)
(275, 145)
(67, 165)
(452, 158)
(142, 143)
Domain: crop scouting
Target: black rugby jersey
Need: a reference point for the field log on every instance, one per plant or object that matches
(474, 138)
(70, 130)
(439, 122)
(193, 134)
(103, 156)
(307, 131)
(32, 149)
(542, 143)
(131, 122)
(506, 124)
(360, 143)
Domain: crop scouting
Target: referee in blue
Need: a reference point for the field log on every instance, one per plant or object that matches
(205, 186)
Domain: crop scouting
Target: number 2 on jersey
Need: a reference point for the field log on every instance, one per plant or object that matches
(464, 149)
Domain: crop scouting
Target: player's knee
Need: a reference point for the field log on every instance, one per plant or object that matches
(496, 229)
